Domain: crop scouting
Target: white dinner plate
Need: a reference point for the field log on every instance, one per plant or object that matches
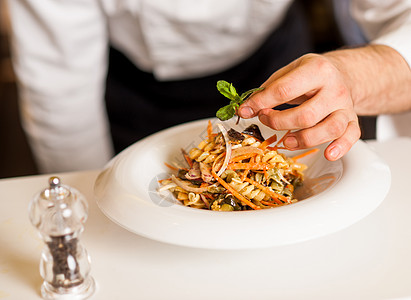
(334, 195)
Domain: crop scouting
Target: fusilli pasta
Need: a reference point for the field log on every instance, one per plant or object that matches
(253, 174)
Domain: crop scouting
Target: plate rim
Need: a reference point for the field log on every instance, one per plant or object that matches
(182, 237)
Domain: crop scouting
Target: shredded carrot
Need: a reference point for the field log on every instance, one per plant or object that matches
(281, 140)
(276, 197)
(209, 196)
(268, 141)
(244, 175)
(269, 203)
(236, 194)
(246, 171)
(305, 154)
(187, 158)
(249, 166)
(161, 180)
(209, 130)
(171, 167)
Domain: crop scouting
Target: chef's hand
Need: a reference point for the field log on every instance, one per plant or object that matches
(325, 111)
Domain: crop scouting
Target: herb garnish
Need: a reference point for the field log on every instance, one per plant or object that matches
(229, 91)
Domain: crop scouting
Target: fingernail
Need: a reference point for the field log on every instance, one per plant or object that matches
(246, 112)
(290, 142)
(334, 152)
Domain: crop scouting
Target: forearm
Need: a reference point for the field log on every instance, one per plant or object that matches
(378, 76)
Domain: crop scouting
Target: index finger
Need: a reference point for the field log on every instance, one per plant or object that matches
(301, 77)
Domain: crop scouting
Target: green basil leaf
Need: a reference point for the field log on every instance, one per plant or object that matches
(233, 91)
(227, 89)
(226, 112)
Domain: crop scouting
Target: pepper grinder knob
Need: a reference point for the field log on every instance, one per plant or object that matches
(59, 213)
(54, 181)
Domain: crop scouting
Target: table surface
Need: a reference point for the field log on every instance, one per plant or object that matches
(368, 260)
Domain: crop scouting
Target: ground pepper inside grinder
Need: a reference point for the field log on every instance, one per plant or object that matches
(59, 213)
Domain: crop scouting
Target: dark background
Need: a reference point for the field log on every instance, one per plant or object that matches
(15, 156)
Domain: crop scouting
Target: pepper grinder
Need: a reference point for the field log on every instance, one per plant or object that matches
(59, 213)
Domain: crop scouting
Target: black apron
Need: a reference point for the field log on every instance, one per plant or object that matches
(139, 105)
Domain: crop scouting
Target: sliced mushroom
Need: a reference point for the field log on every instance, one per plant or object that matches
(235, 136)
(254, 131)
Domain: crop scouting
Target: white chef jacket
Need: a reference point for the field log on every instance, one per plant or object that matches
(60, 50)
(388, 22)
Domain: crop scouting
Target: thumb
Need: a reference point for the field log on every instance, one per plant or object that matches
(258, 101)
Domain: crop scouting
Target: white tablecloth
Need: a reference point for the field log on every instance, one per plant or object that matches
(369, 260)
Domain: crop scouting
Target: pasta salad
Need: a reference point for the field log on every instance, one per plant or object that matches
(235, 171)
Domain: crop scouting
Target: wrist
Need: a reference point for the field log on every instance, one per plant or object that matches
(378, 77)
